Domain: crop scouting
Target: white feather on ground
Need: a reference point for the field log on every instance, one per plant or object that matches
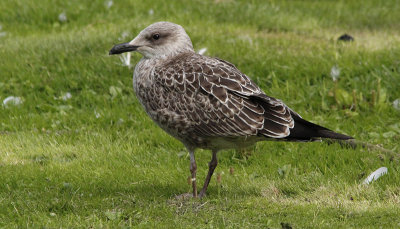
(375, 175)
(202, 51)
(12, 100)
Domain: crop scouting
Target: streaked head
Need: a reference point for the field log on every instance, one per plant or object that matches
(157, 40)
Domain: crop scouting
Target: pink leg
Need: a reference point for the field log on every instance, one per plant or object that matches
(211, 167)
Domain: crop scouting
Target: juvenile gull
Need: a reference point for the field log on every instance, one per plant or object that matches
(206, 102)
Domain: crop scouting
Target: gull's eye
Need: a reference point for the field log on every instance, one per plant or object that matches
(156, 36)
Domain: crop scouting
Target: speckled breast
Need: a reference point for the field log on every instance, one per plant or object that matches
(163, 106)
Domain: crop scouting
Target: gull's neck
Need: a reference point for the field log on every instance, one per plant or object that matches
(169, 55)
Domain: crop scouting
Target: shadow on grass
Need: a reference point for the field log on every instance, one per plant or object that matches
(161, 191)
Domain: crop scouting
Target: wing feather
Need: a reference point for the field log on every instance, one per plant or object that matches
(218, 100)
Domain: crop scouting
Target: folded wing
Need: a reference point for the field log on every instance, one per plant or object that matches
(219, 100)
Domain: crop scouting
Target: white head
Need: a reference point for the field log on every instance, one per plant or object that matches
(158, 40)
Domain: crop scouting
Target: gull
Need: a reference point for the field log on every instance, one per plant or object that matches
(206, 102)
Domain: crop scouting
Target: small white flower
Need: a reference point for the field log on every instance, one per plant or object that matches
(12, 100)
(335, 72)
(66, 96)
(53, 214)
(2, 34)
(62, 17)
(109, 4)
(151, 11)
(97, 114)
(126, 59)
(375, 175)
(396, 104)
(202, 51)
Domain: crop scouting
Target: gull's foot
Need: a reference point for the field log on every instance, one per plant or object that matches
(202, 194)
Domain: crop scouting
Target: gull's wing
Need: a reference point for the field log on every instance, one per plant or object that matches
(213, 98)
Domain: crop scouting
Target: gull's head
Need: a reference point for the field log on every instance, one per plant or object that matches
(157, 40)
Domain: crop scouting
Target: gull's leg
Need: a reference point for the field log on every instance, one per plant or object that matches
(211, 167)
(193, 170)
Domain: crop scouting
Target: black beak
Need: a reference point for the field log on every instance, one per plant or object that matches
(121, 48)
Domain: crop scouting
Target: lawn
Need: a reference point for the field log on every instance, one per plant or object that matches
(78, 151)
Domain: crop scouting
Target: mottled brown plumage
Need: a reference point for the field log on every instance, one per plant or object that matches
(202, 100)
(207, 102)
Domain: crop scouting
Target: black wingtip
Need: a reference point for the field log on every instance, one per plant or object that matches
(307, 131)
(333, 135)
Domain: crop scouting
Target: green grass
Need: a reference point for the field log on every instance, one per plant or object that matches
(61, 166)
